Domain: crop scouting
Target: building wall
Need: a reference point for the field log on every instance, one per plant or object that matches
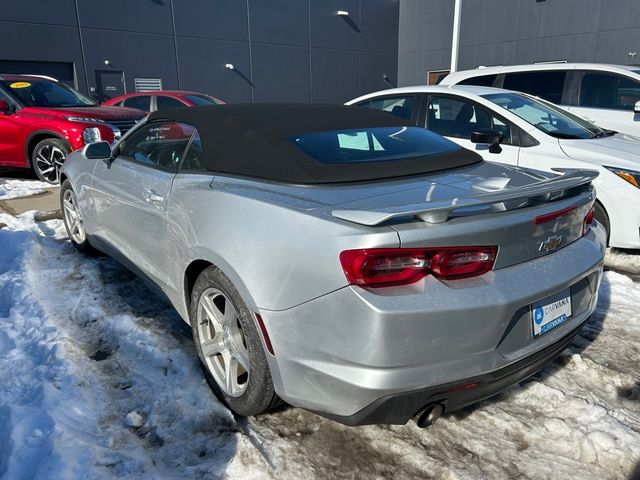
(508, 32)
(294, 50)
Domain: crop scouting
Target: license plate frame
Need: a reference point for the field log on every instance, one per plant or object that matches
(548, 313)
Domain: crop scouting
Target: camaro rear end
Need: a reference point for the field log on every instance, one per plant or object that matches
(342, 260)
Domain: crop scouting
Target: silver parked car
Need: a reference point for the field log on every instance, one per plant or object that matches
(339, 258)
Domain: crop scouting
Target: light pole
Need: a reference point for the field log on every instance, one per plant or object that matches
(455, 41)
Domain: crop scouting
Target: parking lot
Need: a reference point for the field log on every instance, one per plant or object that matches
(322, 239)
(99, 378)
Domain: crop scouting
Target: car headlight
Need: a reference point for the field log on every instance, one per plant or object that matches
(630, 176)
(91, 135)
(84, 119)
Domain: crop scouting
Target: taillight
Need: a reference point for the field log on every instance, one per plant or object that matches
(386, 267)
(588, 220)
(547, 217)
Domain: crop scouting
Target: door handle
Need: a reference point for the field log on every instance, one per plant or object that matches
(151, 197)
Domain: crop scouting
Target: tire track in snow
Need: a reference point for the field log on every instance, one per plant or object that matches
(124, 351)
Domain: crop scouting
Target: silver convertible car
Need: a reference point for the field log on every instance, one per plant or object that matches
(340, 259)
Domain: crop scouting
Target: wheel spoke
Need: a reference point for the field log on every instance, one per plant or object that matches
(214, 346)
(69, 206)
(42, 159)
(230, 369)
(242, 356)
(230, 315)
(212, 311)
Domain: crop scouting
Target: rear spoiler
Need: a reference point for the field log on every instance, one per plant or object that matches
(439, 212)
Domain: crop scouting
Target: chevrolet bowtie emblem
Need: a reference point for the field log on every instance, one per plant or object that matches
(551, 243)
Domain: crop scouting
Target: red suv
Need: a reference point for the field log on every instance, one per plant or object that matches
(42, 120)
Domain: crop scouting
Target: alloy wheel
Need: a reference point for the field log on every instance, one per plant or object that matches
(48, 160)
(222, 342)
(72, 218)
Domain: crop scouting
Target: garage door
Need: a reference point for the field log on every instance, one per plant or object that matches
(62, 71)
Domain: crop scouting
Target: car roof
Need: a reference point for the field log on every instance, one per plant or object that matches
(470, 89)
(177, 93)
(13, 76)
(254, 140)
(497, 69)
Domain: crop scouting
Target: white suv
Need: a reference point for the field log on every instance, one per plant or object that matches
(608, 95)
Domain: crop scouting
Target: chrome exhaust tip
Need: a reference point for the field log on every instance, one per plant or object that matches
(429, 415)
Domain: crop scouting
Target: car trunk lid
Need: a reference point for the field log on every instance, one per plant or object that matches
(524, 215)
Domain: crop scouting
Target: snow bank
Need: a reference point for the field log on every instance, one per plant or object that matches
(99, 379)
(13, 188)
(623, 260)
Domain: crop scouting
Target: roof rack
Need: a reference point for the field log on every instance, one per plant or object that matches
(549, 62)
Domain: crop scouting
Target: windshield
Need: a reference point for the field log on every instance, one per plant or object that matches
(45, 93)
(201, 100)
(544, 116)
(377, 144)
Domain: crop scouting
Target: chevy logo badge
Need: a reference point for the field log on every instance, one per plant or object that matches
(551, 243)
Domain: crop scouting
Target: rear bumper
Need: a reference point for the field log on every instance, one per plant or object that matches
(399, 408)
(354, 354)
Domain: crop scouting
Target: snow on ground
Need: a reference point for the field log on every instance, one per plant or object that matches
(99, 379)
(13, 188)
(622, 260)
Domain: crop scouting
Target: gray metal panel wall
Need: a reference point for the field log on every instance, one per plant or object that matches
(295, 50)
(507, 32)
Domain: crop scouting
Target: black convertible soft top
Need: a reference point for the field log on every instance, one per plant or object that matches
(255, 140)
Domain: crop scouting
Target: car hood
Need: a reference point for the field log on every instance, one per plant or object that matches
(100, 112)
(620, 150)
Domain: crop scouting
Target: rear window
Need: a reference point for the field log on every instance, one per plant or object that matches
(201, 100)
(483, 81)
(377, 144)
(544, 84)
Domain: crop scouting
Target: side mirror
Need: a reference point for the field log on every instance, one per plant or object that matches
(489, 137)
(97, 151)
(4, 107)
(636, 108)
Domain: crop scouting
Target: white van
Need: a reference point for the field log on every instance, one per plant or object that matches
(608, 95)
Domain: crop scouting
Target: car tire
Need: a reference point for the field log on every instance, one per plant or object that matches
(600, 214)
(47, 157)
(229, 346)
(72, 219)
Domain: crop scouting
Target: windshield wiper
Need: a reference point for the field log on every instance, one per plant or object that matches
(604, 133)
(566, 136)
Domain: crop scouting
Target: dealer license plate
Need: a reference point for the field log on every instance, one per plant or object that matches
(550, 312)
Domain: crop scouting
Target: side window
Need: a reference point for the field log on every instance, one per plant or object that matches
(547, 85)
(399, 106)
(451, 117)
(163, 103)
(159, 145)
(606, 90)
(141, 102)
(482, 81)
(193, 160)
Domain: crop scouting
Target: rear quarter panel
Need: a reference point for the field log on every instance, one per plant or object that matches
(277, 257)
